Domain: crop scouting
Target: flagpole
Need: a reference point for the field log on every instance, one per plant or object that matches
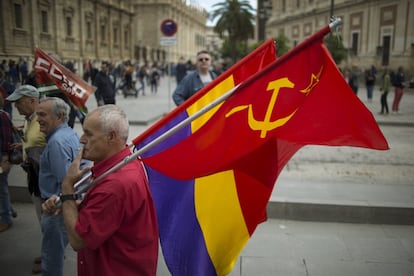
(86, 182)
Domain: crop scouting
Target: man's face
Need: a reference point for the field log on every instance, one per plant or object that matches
(25, 105)
(203, 61)
(94, 140)
(48, 121)
(104, 68)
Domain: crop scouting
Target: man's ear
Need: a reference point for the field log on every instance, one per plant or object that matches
(111, 136)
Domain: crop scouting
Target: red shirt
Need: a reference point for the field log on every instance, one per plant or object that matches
(5, 134)
(117, 221)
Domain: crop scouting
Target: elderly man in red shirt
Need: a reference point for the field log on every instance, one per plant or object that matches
(114, 229)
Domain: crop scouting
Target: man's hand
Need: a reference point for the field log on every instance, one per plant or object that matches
(5, 165)
(16, 146)
(49, 206)
(74, 174)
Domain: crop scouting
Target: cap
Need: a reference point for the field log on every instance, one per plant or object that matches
(24, 90)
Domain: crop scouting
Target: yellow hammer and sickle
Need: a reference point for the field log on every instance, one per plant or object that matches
(267, 125)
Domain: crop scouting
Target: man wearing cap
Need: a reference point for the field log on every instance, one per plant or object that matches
(26, 100)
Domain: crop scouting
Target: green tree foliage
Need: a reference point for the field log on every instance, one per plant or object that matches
(234, 51)
(336, 47)
(236, 23)
(282, 43)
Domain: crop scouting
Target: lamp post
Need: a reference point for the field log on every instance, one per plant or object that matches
(331, 11)
(264, 11)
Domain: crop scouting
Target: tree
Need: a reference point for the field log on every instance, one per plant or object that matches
(282, 42)
(230, 49)
(236, 22)
(336, 47)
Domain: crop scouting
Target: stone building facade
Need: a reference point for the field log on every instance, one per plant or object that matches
(191, 29)
(375, 32)
(96, 30)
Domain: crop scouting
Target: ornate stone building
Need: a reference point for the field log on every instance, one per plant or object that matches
(375, 32)
(191, 29)
(114, 30)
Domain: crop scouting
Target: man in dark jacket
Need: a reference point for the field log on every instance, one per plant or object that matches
(105, 93)
(195, 80)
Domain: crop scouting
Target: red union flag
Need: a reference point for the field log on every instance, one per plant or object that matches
(53, 77)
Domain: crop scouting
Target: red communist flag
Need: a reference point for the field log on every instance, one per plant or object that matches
(298, 100)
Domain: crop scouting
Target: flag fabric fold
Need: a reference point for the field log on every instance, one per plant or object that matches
(52, 77)
(211, 181)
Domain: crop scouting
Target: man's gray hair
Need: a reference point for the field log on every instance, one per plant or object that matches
(59, 107)
(113, 118)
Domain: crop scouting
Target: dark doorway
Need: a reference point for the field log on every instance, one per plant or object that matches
(386, 42)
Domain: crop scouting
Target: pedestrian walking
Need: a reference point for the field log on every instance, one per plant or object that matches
(399, 84)
(385, 86)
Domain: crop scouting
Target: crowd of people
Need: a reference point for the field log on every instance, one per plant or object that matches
(125, 79)
(15, 72)
(113, 227)
(386, 81)
(49, 146)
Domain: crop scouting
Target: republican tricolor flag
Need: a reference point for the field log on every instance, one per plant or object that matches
(212, 180)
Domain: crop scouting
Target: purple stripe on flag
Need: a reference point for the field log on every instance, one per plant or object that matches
(180, 232)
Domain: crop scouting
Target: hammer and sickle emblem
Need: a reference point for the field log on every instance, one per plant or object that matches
(266, 125)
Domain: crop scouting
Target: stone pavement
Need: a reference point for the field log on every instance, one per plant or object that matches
(326, 184)
(278, 247)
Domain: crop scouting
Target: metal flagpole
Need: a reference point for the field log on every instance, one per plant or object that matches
(86, 182)
(169, 71)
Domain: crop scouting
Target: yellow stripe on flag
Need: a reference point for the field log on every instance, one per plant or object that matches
(218, 212)
(217, 91)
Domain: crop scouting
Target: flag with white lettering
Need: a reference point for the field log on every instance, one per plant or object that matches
(53, 77)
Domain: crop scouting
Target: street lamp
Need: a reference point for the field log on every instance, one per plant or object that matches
(330, 18)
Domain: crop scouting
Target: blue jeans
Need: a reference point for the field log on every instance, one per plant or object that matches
(142, 82)
(54, 242)
(5, 208)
